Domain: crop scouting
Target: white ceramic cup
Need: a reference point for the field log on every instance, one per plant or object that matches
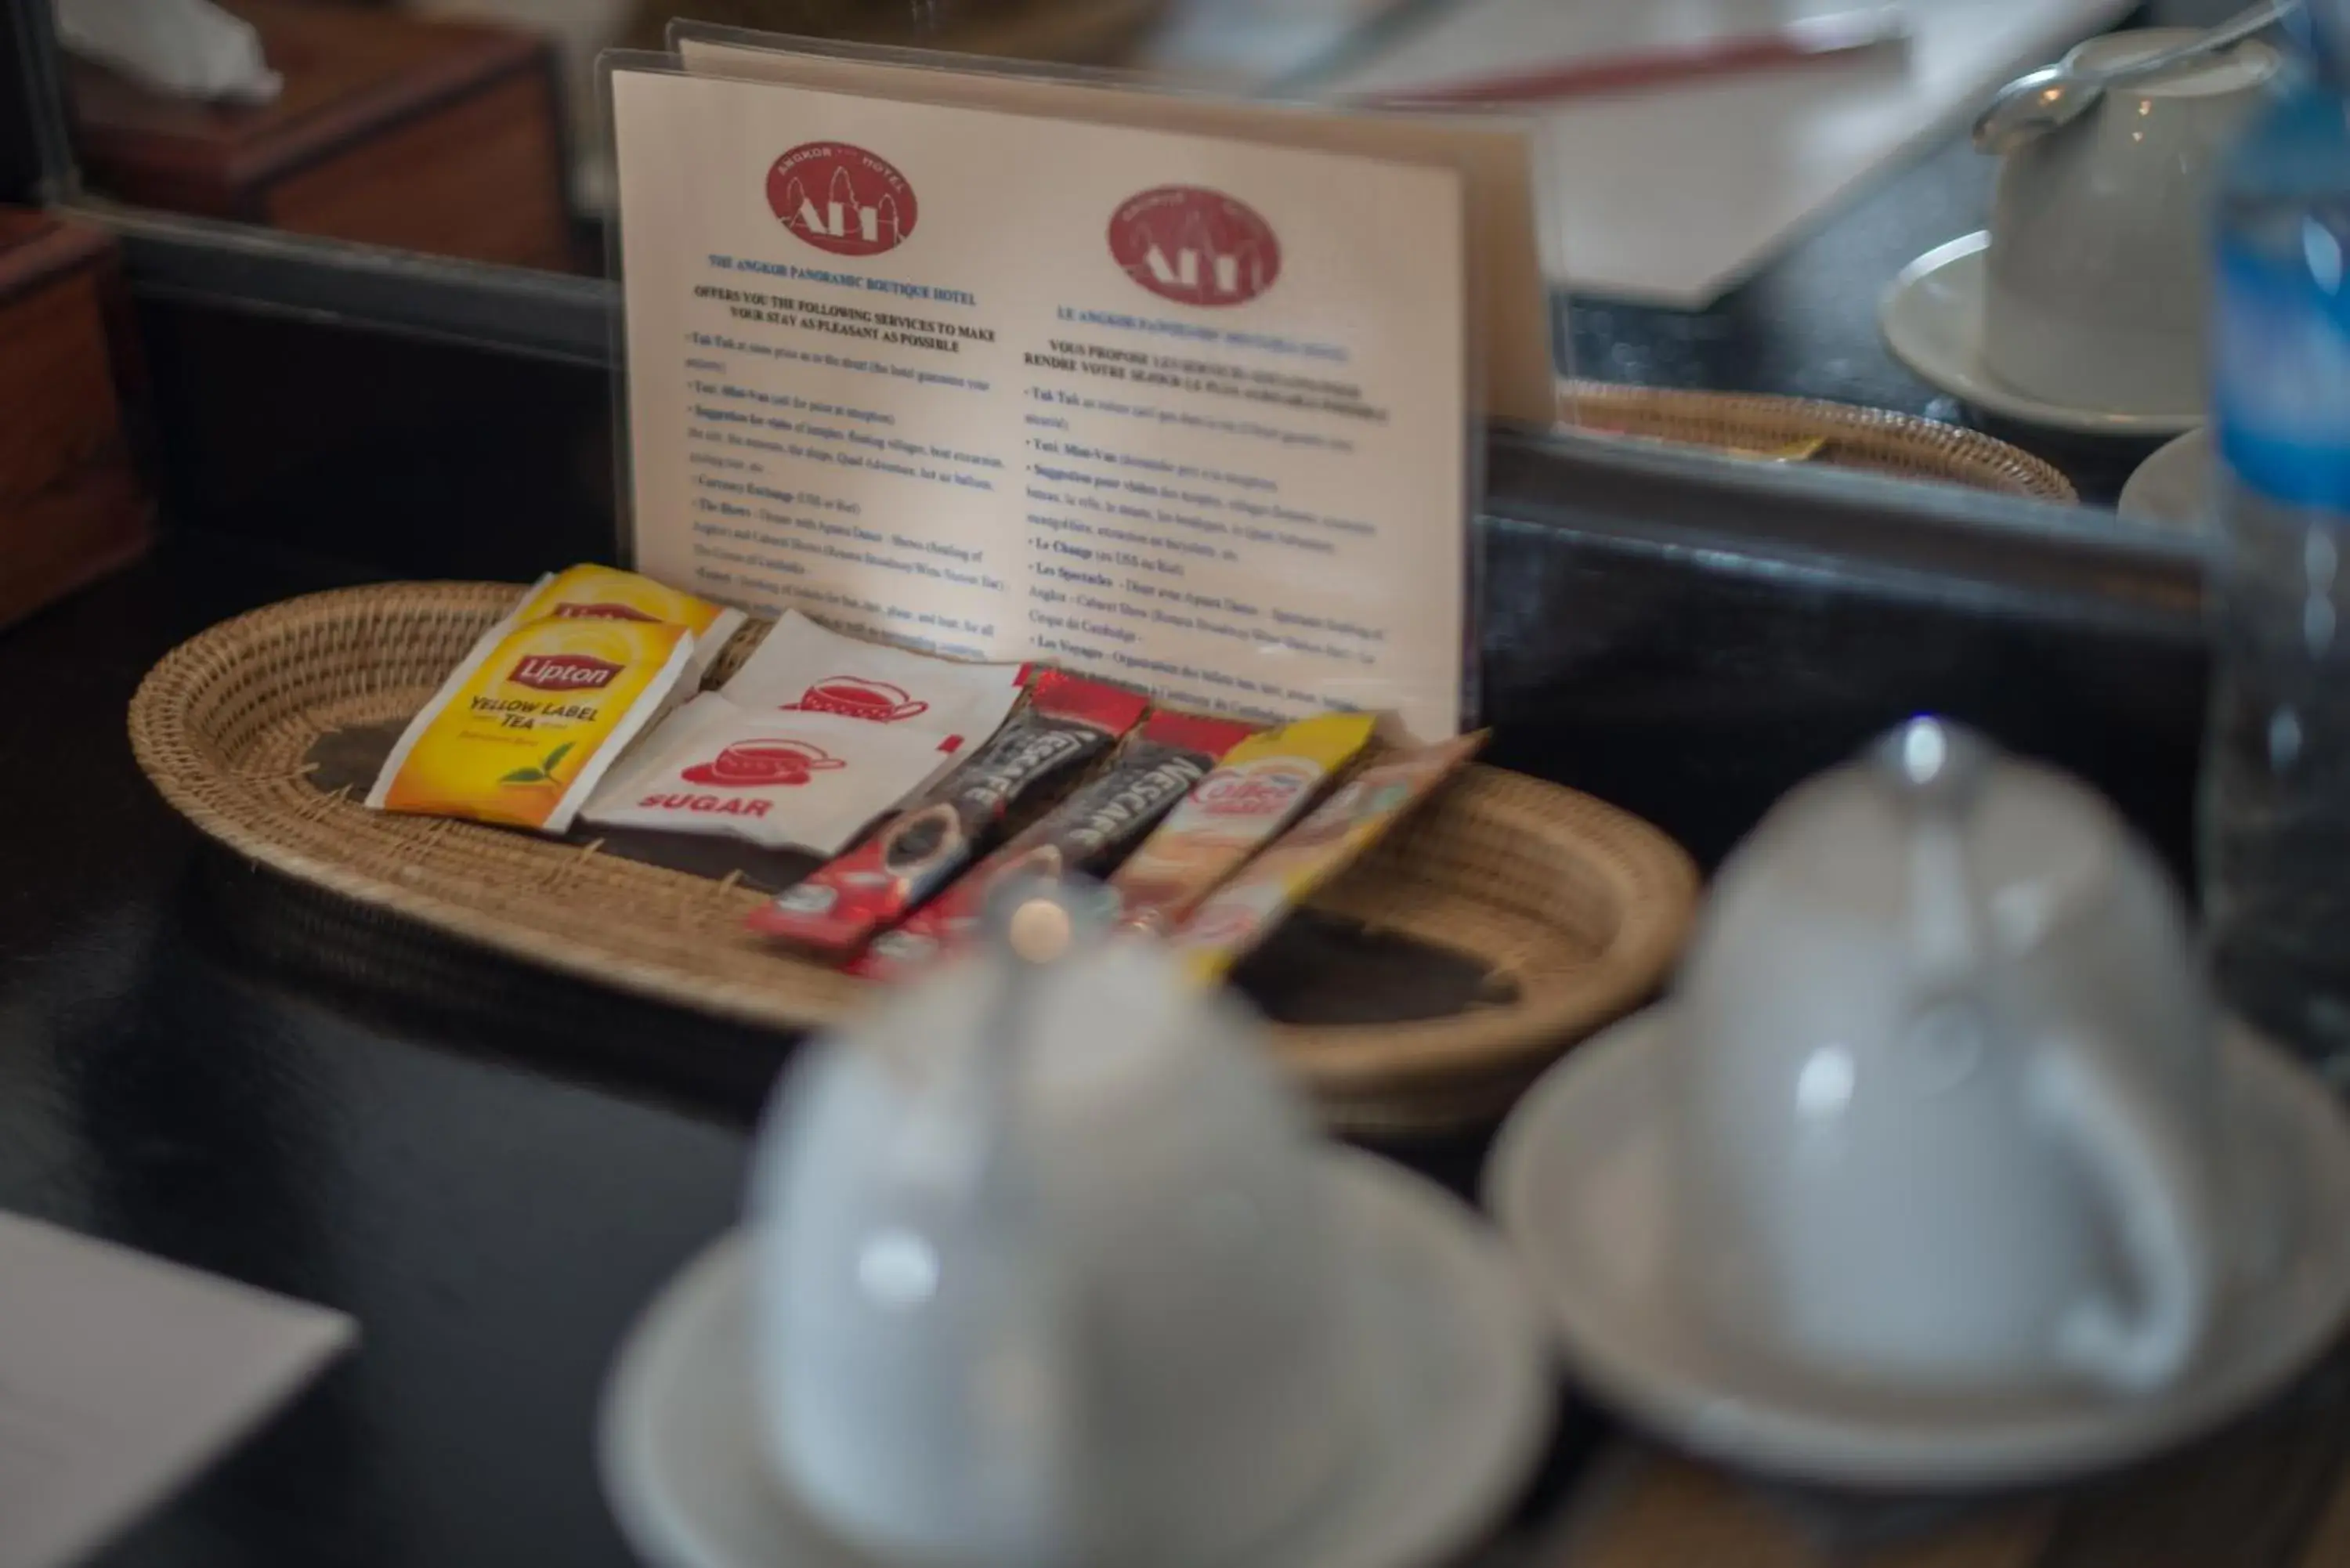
(1092, 1311)
(1947, 1092)
(2096, 284)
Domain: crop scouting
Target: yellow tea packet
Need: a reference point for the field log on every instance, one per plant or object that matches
(521, 732)
(608, 593)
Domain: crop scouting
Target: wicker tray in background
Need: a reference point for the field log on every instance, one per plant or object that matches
(1577, 907)
(1874, 440)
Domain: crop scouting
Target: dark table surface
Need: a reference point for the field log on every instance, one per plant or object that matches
(491, 1169)
(168, 1081)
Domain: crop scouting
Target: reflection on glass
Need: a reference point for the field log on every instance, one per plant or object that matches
(387, 128)
(1730, 182)
(471, 129)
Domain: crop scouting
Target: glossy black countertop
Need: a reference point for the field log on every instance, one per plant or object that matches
(170, 1080)
(492, 1169)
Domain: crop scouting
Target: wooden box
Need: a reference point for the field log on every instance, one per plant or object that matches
(71, 506)
(440, 137)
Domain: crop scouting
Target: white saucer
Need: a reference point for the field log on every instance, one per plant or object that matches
(2172, 489)
(1459, 1391)
(1933, 320)
(1578, 1178)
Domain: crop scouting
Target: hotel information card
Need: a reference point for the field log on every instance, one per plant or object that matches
(1185, 411)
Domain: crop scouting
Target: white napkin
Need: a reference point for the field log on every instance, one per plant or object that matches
(122, 1376)
(1676, 192)
(190, 48)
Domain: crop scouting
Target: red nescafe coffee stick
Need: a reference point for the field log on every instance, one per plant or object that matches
(1106, 816)
(839, 906)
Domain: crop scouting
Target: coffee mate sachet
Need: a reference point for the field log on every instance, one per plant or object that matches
(590, 592)
(1236, 917)
(524, 730)
(1258, 788)
(782, 780)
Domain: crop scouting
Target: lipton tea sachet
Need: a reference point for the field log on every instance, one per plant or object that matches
(782, 780)
(1172, 753)
(521, 730)
(806, 667)
(1244, 910)
(1258, 788)
(839, 907)
(590, 592)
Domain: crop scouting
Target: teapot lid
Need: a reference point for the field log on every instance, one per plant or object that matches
(2016, 841)
(1051, 1001)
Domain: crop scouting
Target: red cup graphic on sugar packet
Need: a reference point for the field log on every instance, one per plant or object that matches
(856, 697)
(765, 762)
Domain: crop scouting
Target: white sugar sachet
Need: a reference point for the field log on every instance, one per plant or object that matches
(803, 780)
(806, 667)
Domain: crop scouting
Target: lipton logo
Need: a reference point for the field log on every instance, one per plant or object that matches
(777, 762)
(854, 697)
(841, 199)
(601, 612)
(564, 672)
(1194, 246)
(1259, 792)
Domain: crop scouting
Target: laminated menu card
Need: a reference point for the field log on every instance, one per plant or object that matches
(1186, 411)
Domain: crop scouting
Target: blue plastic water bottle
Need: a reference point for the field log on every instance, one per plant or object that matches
(2275, 812)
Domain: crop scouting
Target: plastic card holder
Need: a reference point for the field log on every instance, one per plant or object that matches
(886, 370)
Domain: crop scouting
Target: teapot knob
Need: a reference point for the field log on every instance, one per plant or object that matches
(1935, 764)
(1037, 921)
(1937, 770)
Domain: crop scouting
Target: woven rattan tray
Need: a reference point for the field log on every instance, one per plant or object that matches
(1874, 440)
(1571, 910)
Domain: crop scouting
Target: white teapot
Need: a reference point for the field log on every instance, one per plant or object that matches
(1948, 1083)
(1044, 1274)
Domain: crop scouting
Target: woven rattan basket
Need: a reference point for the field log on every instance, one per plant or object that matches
(1874, 440)
(1575, 906)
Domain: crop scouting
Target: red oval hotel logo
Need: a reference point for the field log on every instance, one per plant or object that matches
(841, 199)
(1194, 246)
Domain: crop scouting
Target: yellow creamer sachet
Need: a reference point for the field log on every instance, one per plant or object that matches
(607, 593)
(1258, 788)
(1241, 913)
(521, 732)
